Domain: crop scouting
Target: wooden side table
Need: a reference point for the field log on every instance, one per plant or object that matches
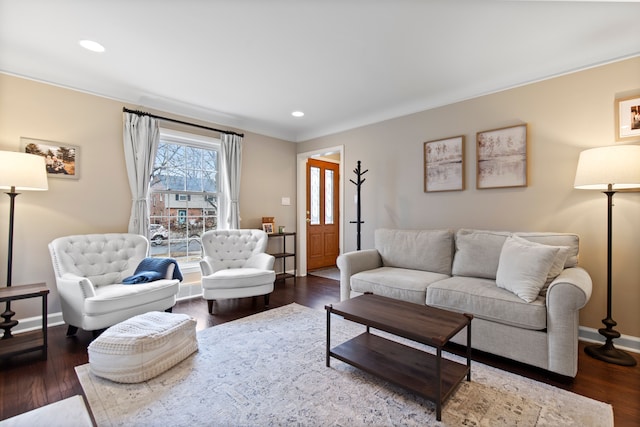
(284, 255)
(27, 341)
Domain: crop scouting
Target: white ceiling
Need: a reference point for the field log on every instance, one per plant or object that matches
(345, 63)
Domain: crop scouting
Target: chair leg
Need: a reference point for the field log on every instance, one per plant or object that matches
(72, 330)
(266, 300)
(210, 305)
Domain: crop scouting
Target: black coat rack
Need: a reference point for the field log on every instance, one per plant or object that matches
(358, 184)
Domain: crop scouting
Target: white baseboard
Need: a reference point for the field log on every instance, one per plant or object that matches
(187, 291)
(625, 342)
(194, 290)
(34, 323)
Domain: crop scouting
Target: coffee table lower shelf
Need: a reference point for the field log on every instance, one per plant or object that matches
(402, 365)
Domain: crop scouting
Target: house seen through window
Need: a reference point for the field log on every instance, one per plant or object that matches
(184, 195)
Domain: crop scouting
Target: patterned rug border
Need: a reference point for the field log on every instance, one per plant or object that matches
(289, 390)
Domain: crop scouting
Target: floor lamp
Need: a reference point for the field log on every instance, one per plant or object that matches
(19, 172)
(609, 169)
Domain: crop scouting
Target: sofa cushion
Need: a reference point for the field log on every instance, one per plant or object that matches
(556, 239)
(113, 298)
(524, 266)
(238, 278)
(426, 250)
(483, 299)
(478, 252)
(398, 283)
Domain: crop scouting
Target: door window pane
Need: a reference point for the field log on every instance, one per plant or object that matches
(314, 213)
(328, 196)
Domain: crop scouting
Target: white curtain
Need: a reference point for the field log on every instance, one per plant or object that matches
(231, 169)
(141, 137)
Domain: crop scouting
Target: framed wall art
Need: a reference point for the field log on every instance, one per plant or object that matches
(502, 157)
(444, 164)
(61, 160)
(627, 118)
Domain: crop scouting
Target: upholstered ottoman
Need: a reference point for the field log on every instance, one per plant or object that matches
(143, 346)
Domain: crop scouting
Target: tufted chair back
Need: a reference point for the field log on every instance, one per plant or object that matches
(225, 249)
(104, 259)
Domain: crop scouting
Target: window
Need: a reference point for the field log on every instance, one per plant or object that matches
(184, 195)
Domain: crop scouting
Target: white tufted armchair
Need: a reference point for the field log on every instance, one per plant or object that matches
(235, 265)
(89, 270)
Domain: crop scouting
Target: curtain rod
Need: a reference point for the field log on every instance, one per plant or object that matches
(143, 113)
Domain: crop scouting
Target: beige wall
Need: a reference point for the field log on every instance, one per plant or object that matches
(565, 115)
(100, 201)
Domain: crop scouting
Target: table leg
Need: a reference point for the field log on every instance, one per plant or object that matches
(328, 334)
(439, 384)
(45, 341)
(469, 351)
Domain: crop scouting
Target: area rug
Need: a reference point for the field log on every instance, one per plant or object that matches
(269, 370)
(328, 273)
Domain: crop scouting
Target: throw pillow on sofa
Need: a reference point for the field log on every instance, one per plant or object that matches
(523, 267)
(478, 252)
(569, 240)
(558, 263)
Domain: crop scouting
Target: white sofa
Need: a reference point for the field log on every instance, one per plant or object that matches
(525, 290)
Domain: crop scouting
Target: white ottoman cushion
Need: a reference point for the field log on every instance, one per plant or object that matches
(143, 346)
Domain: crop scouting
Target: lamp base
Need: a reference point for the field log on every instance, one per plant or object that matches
(608, 353)
(8, 323)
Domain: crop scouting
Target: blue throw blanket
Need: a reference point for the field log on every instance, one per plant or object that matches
(151, 269)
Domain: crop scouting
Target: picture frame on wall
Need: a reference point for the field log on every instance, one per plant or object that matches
(61, 160)
(627, 118)
(444, 165)
(267, 227)
(502, 157)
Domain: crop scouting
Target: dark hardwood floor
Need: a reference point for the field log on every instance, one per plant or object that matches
(27, 382)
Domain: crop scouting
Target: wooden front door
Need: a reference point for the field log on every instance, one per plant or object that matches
(322, 214)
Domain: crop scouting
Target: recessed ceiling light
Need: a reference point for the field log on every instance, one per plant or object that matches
(297, 114)
(91, 45)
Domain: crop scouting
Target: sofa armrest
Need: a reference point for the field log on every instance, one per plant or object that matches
(571, 290)
(79, 286)
(354, 262)
(73, 291)
(205, 267)
(262, 261)
(567, 294)
(170, 269)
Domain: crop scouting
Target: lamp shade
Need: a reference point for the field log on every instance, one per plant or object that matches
(618, 165)
(25, 172)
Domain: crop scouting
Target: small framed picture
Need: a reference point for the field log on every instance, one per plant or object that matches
(502, 157)
(267, 227)
(444, 164)
(61, 160)
(627, 118)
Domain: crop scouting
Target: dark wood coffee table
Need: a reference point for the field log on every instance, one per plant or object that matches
(423, 373)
